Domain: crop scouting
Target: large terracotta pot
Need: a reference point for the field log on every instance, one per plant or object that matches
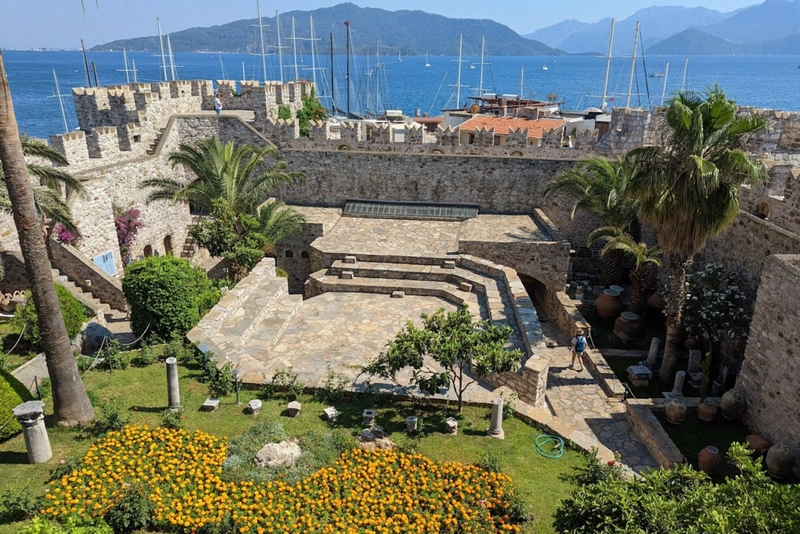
(628, 326)
(759, 445)
(676, 412)
(609, 305)
(709, 459)
(732, 405)
(707, 412)
(691, 343)
(657, 301)
(780, 461)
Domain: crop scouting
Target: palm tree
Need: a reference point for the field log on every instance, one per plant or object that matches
(644, 257)
(224, 172)
(55, 183)
(688, 187)
(598, 186)
(276, 221)
(71, 404)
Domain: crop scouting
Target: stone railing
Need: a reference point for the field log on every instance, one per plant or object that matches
(86, 275)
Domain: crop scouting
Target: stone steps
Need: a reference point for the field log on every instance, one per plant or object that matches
(498, 308)
(238, 329)
(152, 150)
(100, 309)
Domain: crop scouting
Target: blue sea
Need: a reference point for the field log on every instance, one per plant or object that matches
(763, 81)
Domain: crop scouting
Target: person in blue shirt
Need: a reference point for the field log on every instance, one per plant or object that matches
(578, 348)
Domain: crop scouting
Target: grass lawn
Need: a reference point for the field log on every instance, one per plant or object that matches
(142, 395)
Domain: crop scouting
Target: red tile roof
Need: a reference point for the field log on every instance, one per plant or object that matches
(503, 125)
(429, 120)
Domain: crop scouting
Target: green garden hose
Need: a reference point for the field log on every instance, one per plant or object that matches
(550, 446)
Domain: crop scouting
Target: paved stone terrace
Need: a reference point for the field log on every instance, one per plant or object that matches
(503, 229)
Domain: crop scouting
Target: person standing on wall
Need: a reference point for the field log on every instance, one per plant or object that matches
(578, 348)
(218, 103)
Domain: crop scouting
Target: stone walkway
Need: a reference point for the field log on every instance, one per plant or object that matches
(577, 396)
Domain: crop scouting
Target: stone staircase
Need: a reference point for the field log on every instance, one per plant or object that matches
(157, 139)
(190, 245)
(248, 321)
(457, 279)
(103, 312)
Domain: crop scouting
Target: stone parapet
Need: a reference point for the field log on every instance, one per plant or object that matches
(640, 415)
(83, 272)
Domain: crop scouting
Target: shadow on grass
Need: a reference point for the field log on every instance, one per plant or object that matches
(147, 409)
(10, 457)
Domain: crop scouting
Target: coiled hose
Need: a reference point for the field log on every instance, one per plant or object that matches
(550, 446)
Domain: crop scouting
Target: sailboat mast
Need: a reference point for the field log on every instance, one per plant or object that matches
(347, 75)
(685, 68)
(603, 103)
(171, 59)
(633, 64)
(133, 67)
(61, 102)
(483, 50)
(522, 82)
(333, 82)
(458, 81)
(244, 72)
(313, 53)
(280, 46)
(294, 51)
(666, 75)
(161, 43)
(377, 78)
(263, 48)
(124, 59)
(86, 65)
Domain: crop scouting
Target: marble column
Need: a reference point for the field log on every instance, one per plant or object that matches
(496, 426)
(677, 388)
(173, 391)
(652, 356)
(31, 416)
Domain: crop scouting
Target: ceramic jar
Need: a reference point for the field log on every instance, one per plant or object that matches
(657, 301)
(732, 405)
(609, 305)
(628, 326)
(676, 412)
(780, 461)
(757, 444)
(709, 459)
(706, 412)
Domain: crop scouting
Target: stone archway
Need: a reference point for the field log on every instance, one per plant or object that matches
(168, 245)
(148, 251)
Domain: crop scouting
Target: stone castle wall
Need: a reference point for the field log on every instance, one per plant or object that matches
(772, 358)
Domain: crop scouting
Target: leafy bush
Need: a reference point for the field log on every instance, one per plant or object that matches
(19, 504)
(335, 387)
(132, 511)
(26, 320)
(716, 308)
(172, 418)
(285, 384)
(168, 294)
(144, 356)
(66, 236)
(109, 420)
(115, 358)
(679, 501)
(12, 394)
(128, 223)
(73, 525)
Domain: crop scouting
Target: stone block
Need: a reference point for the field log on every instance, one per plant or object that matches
(412, 423)
(254, 406)
(330, 414)
(293, 408)
(349, 259)
(398, 294)
(449, 264)
(210, 405)
(465, 286)
(346, 275)
(451, 426)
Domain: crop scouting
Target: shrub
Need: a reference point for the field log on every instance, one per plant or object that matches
(19, 504)
(172, 418)
(12, 394)
(132, 511)
(115, 358)
(128, 223)
(284, 383)
(109, 420)
(73, 525)
(65, 236)
(167, 294)
(26, 320)
(144, 356)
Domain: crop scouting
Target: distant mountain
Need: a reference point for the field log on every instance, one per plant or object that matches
(657, 23)
(406, 32)
(698, 42)
(769, 28)
(774, 19)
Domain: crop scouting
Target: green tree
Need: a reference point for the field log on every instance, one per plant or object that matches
(680, 501)
(688, 187)
(284, 112)
(166, 295)
(26, 319)
(312, 110)
(465, 351)
(71, 404)
(598, 186)
(54, 182)
(224, 173)
(644, 258)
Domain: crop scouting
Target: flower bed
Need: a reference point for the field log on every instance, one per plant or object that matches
(376, 492)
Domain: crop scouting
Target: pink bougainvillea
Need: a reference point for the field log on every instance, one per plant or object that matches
(65, 236)
(128, 223)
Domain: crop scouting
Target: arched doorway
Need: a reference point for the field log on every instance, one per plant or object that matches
(148, 251)
(168, 245)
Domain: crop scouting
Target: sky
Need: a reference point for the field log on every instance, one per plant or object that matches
(61, 23)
